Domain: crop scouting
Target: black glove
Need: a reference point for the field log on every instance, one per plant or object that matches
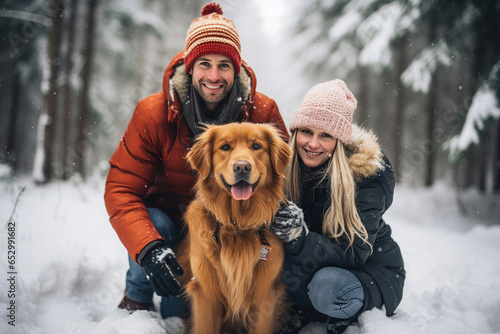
(161, 267)
(288, 223)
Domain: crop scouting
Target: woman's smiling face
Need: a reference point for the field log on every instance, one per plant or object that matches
(314, 146)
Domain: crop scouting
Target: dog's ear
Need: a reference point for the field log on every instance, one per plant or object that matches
(279, 150)
(200, 155)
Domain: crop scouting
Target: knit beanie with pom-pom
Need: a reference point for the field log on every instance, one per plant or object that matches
(328, 106)
(212, 33)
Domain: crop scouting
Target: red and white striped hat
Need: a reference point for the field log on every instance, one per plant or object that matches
(212, 33)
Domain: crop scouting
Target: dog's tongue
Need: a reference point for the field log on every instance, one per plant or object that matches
(241, 191)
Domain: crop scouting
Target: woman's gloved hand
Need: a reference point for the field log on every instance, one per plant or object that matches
(288, 223)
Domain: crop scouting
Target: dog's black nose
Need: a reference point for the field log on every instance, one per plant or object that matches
(242, 167)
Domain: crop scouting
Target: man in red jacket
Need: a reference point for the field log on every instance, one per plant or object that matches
(149, 183)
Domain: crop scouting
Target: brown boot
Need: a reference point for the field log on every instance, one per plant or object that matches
(132, 306)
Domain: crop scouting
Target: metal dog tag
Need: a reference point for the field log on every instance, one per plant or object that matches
(265, 247)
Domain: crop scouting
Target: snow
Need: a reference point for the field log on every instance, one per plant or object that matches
(5, 171)
(419, 74)
(344, 25)
(377, 32)
(71, 266)
(483, 106)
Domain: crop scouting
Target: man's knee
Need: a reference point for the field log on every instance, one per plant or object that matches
(165, 225)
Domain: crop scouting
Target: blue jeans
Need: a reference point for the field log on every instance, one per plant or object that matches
(336, 292)
(137, 286)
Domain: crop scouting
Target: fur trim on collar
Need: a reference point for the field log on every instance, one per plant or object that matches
(180, 82)
(363, 153)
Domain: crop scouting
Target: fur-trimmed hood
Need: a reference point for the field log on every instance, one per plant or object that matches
(363, 153)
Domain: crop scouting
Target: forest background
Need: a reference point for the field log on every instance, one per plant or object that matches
(425, 73)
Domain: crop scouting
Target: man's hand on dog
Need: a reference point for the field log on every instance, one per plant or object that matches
(289, 224)
(161, 266)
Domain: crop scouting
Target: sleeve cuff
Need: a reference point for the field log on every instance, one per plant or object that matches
(146, 249)
(294, 247)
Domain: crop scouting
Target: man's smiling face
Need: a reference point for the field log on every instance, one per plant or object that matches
(213, 78)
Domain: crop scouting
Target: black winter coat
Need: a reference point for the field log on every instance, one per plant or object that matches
(382, 272)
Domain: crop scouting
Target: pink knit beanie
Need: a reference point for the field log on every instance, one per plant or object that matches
(328, 106)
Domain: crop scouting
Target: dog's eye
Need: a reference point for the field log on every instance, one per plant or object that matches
(256, 146)
(225, 147)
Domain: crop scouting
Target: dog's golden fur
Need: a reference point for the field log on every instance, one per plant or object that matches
(228, 285)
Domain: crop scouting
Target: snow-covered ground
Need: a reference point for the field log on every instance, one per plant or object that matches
(70, 266)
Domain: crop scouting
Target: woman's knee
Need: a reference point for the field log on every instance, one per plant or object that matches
(336, 292)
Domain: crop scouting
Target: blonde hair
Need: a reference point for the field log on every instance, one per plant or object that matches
(341, 218)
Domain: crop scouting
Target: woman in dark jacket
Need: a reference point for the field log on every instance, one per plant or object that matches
(340, 257)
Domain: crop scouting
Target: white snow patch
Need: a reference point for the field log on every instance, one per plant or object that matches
(484, 105)
(71, 266)
(377, 32)
(5, 171)
(419, 74)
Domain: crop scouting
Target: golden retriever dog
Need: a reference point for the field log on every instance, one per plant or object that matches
(232, 261)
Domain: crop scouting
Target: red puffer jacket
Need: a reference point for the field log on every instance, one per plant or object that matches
(148, 169)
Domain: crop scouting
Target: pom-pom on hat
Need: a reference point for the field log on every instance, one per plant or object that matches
(328, 106)
(212, 33)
